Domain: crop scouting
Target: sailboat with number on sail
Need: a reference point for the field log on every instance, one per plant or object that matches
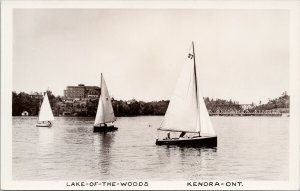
(45, 114)
(105, 116)
(187, 121)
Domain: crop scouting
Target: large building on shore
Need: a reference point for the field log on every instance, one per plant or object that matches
(81, 91)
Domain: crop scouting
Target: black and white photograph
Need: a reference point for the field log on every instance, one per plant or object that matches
(173, 95)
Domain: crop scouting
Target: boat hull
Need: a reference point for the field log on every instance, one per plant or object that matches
(105, 129)
(43, 124)
(195, 142)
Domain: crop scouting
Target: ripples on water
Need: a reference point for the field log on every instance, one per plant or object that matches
(249, 148)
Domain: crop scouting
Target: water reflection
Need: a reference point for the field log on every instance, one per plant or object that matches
(202, 151)
(186, 153)
(46, 136)
(70, 150)
(46, 148)
(74, 132)
(102, 145)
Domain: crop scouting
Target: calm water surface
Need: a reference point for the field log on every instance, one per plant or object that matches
(249, 148)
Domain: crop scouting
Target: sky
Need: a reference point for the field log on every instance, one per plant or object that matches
(243, 55)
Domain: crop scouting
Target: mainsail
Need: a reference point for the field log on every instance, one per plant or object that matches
(45, 110)
(105, 112)
(187, 111)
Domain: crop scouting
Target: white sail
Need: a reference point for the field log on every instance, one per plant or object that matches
(105, 112)
(182, 111)
(206, 127)
(45, 110)
(100, 112)
(187, 110)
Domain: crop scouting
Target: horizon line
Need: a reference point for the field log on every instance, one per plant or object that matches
(133, 98)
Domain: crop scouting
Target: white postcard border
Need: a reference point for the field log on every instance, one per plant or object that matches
(6, 89)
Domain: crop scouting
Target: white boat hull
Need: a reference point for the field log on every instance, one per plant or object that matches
(41, 124)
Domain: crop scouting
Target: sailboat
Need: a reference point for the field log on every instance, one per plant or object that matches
(187, 118)
(45, 113)
(105, 116)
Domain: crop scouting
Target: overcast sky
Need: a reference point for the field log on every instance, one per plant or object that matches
(242, 54)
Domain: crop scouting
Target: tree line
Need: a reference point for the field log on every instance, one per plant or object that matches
(281, 102)
(25, 102)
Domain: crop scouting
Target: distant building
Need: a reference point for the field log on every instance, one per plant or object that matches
(25, 113)
(247, 106)
(81, 91)
(68, 100)
(131, 101)
(36, 95)
(91, 92)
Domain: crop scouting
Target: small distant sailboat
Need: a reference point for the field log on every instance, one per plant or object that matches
(45, 113)
(187, 116)
(105, 116)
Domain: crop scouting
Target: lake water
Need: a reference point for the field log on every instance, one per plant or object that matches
(249, 148)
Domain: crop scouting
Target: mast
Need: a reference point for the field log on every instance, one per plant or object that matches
(195, 73)
(105, 112)
(100, 96)
(101, 85)
(196, 85)
(184, 109)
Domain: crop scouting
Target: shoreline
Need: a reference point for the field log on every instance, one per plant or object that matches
(286, 115)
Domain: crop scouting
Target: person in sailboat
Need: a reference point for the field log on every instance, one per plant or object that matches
(168, 136)
(105, 114)
(109, 124)
(187, 112)
(47, 122)
(45, 113)
(181, 136)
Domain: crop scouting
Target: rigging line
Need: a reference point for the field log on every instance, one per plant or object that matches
(196, 85)
(160, 126)
(195, 74)
(101, 85)
(100, 98)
